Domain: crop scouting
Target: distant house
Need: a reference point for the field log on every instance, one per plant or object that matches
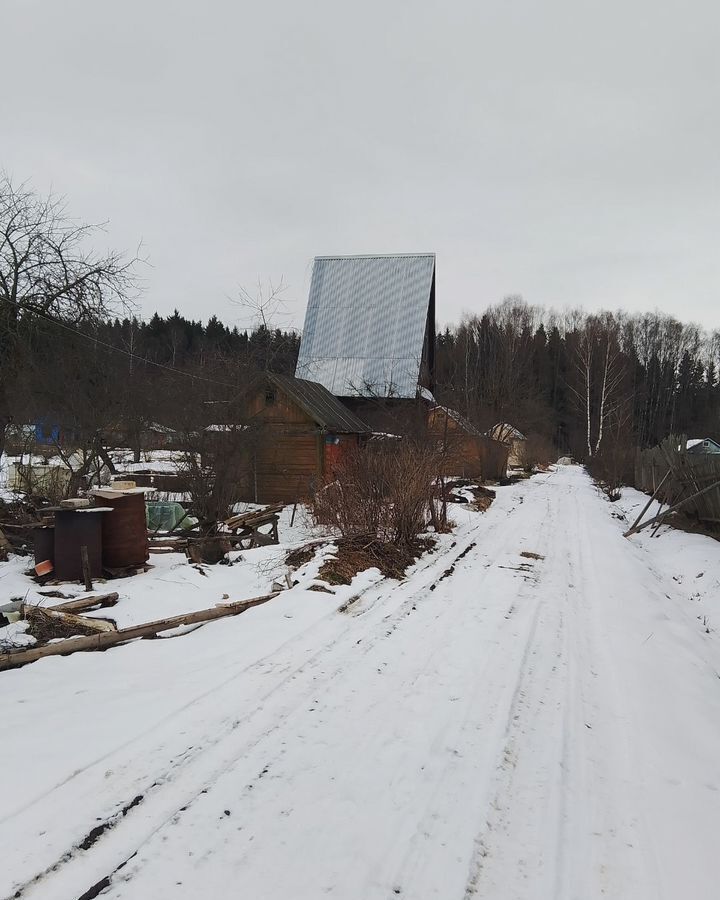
(292, 434)
(698, 446)
(513, 439)
(369, 334)
(466, 450)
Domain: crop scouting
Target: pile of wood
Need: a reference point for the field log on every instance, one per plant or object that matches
(239, 532)
(49, 623)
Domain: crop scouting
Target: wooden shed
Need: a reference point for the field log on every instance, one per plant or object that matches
(293, 432)
(467, 451)
(513, 439)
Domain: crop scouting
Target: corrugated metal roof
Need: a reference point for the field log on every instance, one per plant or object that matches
(318, 402)
(365, 324)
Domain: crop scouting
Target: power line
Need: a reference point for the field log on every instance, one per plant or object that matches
(128, 353)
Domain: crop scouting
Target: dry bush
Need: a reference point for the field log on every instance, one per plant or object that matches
(383, 494)
(612, 467)
(213, 480)
(536, 451)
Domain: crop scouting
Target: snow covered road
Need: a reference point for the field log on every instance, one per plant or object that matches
(497, 726)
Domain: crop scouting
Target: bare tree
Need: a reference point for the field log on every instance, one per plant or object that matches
(48, 270)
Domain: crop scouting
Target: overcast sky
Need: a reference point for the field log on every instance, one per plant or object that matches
(566, 151)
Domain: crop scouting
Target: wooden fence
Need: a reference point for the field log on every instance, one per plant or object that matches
(686, 474)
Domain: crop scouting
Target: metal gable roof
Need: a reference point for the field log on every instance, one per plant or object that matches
(365, 324)
(320, 404)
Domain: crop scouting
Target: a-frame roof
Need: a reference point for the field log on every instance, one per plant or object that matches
(366, 323)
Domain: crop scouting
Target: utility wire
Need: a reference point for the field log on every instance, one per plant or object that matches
(124, 352)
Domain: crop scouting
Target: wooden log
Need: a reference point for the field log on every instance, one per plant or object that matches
(100, 601)
(110, 639)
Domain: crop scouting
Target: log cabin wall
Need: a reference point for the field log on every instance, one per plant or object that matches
(467, 453)
(287, 462)
(293, 432)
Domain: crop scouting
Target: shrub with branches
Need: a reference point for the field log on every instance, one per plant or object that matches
(382, 494)
(214, 480)
(535, 451)
(613, 466)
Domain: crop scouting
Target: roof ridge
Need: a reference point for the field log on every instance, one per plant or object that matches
(376, 255)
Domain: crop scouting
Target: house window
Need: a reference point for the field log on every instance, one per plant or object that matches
(270, 397)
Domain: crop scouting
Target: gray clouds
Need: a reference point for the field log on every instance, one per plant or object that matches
(566, 150)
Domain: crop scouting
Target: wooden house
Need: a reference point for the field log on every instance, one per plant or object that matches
(467, 452)
(292, 434)
(702, 446)
(513, 439)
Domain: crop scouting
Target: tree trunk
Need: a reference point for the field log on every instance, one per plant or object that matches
(603, 400)
(5, 417)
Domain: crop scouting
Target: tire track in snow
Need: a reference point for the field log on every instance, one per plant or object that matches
(288, 674)
(378, 630)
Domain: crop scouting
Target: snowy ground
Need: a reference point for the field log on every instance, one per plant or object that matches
(496, 726)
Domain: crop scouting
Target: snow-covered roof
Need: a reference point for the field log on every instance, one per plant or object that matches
(693, 442)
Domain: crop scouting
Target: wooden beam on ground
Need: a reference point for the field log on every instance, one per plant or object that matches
(631, 529)
(110, 639)
(100, 601)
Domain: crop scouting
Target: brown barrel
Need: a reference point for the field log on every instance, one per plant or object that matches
(124, 533)
(75, 529)
(44, 544)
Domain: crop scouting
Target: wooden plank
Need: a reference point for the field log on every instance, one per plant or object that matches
(100, 601)
(86, 568)
(676, 506)
(110, 639)
(631, 529)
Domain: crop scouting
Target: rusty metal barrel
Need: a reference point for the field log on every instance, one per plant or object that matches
(124, 533)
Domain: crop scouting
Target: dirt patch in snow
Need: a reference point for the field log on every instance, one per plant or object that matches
(483, 498)
(358, 554)
(462, 490)
(301, 555)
